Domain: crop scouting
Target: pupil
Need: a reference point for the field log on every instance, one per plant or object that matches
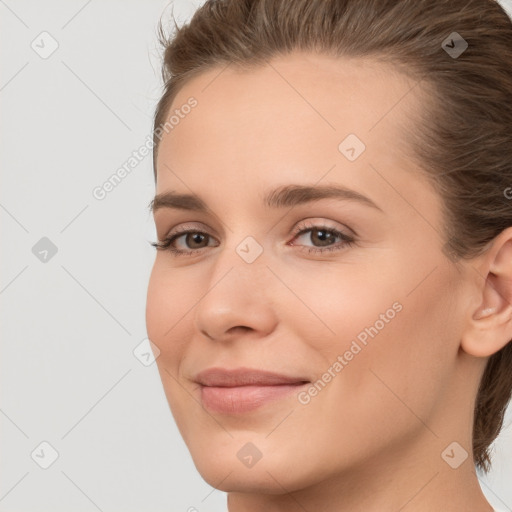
(324, 235)
(196, 237)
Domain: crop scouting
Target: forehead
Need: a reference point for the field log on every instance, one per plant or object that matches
(285, 121)
(296, 97)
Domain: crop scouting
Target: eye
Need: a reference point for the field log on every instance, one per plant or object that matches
(195, 240)
(325, 237)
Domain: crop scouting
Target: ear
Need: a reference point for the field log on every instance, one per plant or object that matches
(489, 326)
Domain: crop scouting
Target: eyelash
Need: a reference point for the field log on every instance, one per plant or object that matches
(347, 241)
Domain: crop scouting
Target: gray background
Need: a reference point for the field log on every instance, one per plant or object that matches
(71, 320)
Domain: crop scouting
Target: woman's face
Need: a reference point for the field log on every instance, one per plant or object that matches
(372, 323)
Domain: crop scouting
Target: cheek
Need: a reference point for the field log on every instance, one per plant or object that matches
(167, 305)
(400, 378)
(398, 344)
(333, 305)
(417, 356)
(158, 306)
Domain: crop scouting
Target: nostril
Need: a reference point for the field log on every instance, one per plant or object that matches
(243, 327)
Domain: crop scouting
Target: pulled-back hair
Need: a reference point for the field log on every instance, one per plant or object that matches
(464, 140)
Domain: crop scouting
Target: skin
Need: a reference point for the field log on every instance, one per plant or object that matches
(372, 439)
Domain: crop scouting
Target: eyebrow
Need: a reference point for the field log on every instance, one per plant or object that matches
(282, 197)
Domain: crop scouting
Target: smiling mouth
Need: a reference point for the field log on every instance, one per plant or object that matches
(240, 399)
(239, 390)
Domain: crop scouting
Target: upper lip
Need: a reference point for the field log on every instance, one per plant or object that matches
(243, 376)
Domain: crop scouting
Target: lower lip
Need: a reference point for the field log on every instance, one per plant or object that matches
(236, 400)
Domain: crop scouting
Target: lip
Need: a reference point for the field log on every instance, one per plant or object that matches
(244, 389)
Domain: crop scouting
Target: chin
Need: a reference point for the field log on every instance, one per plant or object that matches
(227, 477)
(222, 466)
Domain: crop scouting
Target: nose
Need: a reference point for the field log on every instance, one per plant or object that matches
(236, 300)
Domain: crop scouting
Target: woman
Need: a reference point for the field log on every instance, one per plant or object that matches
(332, 293)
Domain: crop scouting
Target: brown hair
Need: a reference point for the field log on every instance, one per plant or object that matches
(464, 139)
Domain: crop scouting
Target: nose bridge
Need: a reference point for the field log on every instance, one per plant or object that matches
(240, 267)
(244, 249)
(238, 292)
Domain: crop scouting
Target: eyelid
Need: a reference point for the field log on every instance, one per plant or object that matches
(313, 222)
(316, 222)
(188, 226)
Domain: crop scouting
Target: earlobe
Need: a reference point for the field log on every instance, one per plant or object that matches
(490, 325)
